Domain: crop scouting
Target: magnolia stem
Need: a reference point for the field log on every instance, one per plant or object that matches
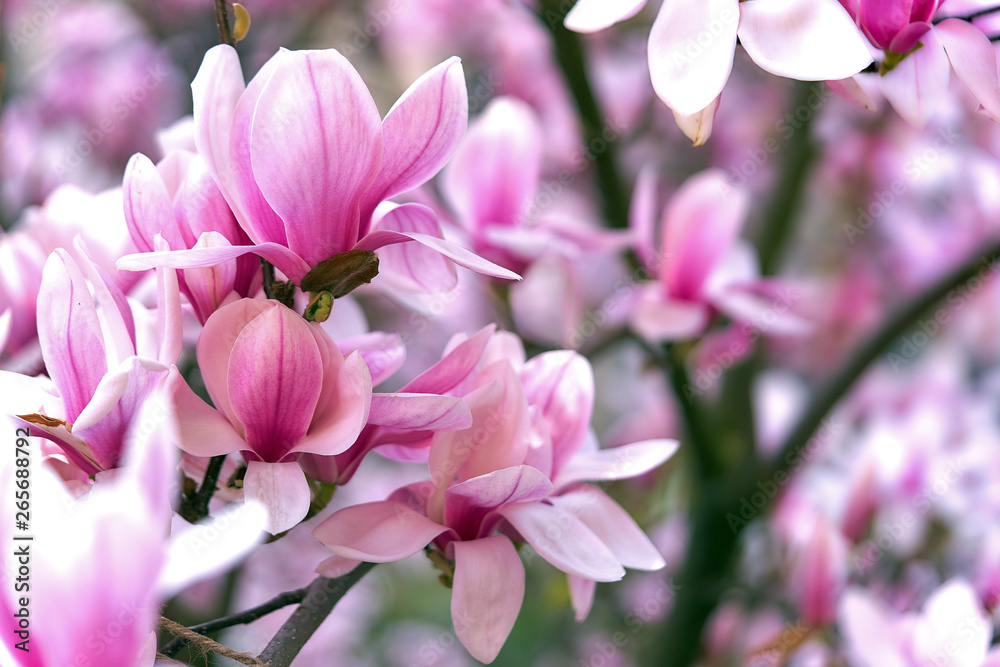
(241, 618)
(222, 20)
(321, 597)
(194, 508)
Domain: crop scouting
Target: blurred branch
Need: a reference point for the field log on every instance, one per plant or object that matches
(702, 437)
(321, 597)
(891, 330)
(222, 20)
(707, 569)
(779, 212)
(571, 59)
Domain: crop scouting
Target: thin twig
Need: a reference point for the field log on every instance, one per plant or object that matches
(194, 508)
(222, 20)
(240, 618)
(321, 597)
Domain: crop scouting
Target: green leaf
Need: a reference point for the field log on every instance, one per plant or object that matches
(342, 274)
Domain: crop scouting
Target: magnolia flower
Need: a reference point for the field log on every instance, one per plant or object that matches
(920, 54)
(303, 159)
(701, 266)
(282, 387)
(103, 365)
(179, 200)
(112, 552)
(513, 475)
(691, 45)
(951, 630)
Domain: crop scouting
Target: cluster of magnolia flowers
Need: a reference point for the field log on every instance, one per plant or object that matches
(297, 168)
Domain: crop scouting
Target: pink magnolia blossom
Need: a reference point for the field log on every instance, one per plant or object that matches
(303, 159)
(920, 56)
(103, 366)
(951, 630)
(513, 475)
(691, 45)
(179, 200)
(702, 267)
(282, 387)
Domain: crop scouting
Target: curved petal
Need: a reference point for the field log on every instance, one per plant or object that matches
(868, 630)
(974, 60)
(216, 90)
(495, 173)
(809, 40)
(379, 532)
(454, 367)
(953, 625)
(110, 390)
(216, 250)
(283, 491)
(581, 594)
(315, 147)
(468, 502)
(613, 526)
(561, 384)
(563, 540)
(486, 594)
(384, 354)
(616, 463)
(916, 86)
(70, 333)
(699, 226)
(200, 430)
(148, 208)
(698, 126)
(419, 412)
(420, 133)
(593, 15)
(413, 266)
(275, 376)
(658, 319)
(337, 566)
(691, 47)
(343, 405)
(452, 251)
(215, 344)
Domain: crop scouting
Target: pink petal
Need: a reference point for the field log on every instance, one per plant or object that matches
(467, 503)
(315, 170)
(809, 40)
(344, 402)
(148, 207)
(113, 311)
(384, 354)
(283, 491)
(275, 376)
(613, 526)
(486, 595)
(495, 172)
(454, 367)
(215, 344)
(563, 540)
(953, 625)
(916, 86)
(200, 430)
(974, 60)
(594, 15)
(110, 390)
(616, 463)
(420, 133)
(452, 251)
(851, 91)
(882, 21)
(642, 215)
(581, 594)
(379, 532)
(657, 319)
(69, 333)
(698, 126)
(215, 252)
(216, 90)
(238, 181)
(209, 287)
(170, 327)
(868, 630)
(561, 385)
(701, 223)
(691, 47)
(337, 566)
(419, 412)
(413, 266)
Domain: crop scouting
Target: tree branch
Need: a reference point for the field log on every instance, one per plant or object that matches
(321, 597)
(194, 508)
(222, 20)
